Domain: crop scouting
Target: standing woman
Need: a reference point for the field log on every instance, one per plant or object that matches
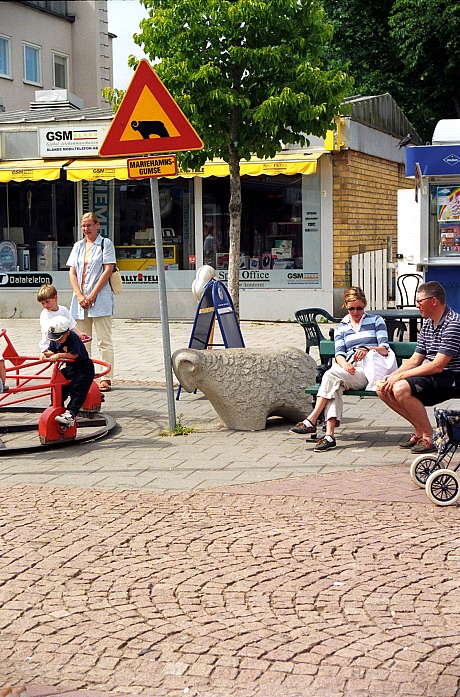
(91, 264)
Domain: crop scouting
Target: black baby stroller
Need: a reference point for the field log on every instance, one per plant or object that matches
(432, 471)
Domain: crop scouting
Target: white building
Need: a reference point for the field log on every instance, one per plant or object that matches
(429, 230)
(54, 44)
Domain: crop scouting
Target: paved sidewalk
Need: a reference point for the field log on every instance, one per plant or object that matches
(223, 563)
(138, 457)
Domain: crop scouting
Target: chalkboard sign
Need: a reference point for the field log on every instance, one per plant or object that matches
(204, 319)
(215, 301)
(226, 316)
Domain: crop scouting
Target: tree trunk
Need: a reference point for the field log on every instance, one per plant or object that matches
(234, 209)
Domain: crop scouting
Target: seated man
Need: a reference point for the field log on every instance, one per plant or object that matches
(432, 374)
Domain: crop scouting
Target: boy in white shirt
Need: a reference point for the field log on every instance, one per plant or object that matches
(48, 297)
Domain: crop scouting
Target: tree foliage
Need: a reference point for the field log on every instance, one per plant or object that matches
(404, 47)
(426, 32)
(249, 75)
(113, 96)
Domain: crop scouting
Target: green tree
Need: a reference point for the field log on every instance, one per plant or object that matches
(249, 75)
(404, 47)
(426, 32)
(113, 96)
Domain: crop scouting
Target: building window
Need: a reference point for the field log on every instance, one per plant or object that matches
(5, 56)
(32, 67)
(60, 71)
(124, 210)
(58, 7)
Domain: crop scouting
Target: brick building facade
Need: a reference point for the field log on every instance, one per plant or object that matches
(365, 207)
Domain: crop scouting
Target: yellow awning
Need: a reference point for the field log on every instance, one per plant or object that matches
(33, 170)
(101, 168)
(280, 164)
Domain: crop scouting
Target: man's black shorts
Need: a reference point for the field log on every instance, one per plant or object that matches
(434, 389)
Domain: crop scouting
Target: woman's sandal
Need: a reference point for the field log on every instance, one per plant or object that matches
(303, 429)
(105, 386)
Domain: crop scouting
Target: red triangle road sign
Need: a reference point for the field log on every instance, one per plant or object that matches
(148, 120)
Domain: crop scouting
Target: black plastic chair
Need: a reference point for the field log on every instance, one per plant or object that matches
(408, 284)
(395, 327)
(313, 334)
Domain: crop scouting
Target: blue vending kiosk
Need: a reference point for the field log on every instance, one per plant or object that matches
(436, 169)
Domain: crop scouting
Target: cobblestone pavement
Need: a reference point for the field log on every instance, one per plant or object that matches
(224, 563)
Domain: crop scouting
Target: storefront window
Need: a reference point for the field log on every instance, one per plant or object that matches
(125, 211)
(444, 230)
(280, 242)
(271, 224)
(31, 212)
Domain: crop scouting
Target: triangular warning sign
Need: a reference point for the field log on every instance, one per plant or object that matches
(148, 120)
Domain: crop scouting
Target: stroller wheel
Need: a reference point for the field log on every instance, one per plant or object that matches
(422, 467)
(443, 487)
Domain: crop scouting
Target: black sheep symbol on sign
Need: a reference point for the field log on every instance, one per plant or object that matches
(150, 128)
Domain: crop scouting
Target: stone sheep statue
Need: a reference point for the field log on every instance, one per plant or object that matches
(246, 386)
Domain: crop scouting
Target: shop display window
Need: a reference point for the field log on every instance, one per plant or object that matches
(280, 223)
(125, 208)
(37, 212)
(271, 224)
(444, 229)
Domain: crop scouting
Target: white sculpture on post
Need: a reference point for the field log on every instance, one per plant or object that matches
(203, 275)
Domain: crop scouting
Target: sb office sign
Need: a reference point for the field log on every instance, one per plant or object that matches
(24, 280)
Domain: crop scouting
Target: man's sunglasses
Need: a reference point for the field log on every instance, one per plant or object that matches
(419, 301)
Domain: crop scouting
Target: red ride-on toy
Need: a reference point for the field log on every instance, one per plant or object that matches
(29, 379)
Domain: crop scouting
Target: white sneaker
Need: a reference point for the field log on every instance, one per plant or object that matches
(65, 419)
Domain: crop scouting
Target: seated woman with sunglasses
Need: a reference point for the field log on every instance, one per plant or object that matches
(356, 335)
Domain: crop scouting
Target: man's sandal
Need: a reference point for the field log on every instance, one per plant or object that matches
(410, 442)
(105, 386)
(423, 447)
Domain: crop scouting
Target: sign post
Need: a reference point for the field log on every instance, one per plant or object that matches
(149, 121)
(163, 301)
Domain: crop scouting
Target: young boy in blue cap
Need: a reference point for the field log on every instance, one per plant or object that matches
(65, 344)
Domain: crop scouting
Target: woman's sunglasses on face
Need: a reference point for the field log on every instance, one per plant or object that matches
(359, 308)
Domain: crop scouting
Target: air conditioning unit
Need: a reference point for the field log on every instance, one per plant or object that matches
(56, 99)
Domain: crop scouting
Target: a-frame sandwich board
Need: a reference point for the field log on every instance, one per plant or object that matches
(215, 302)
